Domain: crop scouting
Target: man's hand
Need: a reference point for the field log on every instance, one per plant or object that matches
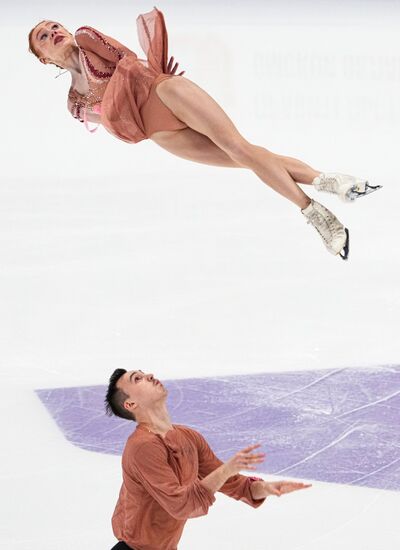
(171, 68)
(244, 460)
(262, 489)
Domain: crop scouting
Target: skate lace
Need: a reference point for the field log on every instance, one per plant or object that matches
(328, 184)
(325, 226)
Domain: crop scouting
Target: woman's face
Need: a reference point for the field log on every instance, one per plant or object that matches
(52, 42)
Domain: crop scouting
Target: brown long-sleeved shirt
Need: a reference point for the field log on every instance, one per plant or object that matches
(161, 487)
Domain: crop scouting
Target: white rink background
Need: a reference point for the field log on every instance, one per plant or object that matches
(114, 255)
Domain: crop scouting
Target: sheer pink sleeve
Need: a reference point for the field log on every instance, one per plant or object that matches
(106, 48)
(153, 39)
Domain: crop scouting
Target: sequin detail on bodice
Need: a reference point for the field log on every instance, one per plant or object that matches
(87, 101)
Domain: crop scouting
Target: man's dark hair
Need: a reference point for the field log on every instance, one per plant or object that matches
(115, 397)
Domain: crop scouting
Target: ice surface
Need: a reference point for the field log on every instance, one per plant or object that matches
(338, 425)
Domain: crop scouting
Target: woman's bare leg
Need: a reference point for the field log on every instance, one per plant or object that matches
(200, 112)
(192, 145)
(300, 171)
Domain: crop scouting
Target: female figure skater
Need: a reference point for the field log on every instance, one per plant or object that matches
(136, 99)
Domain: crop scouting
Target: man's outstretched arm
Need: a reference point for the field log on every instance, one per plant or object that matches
(149, 464)
(248, 489)
(220, 476)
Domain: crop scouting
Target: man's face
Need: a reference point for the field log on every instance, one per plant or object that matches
(143, 390)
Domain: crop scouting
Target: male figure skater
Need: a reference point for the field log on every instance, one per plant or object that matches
(170, 474)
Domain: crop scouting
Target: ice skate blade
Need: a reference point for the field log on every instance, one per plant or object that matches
(344, 253)
(355, 193)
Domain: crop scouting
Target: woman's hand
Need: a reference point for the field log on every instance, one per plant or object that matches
(171, 69)
(244, 460)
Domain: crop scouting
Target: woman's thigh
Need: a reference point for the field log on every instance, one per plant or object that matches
(194, 146)
(196, 108)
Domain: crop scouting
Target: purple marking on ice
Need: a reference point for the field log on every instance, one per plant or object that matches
(338, 426)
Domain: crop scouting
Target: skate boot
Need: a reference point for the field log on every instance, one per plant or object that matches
(347, 187)
(333, 233)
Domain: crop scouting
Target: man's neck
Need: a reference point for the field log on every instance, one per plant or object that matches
(156, 420)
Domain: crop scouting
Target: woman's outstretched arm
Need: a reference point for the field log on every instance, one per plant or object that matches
(93, 41)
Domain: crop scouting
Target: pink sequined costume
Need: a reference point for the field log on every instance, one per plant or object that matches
(122, 87)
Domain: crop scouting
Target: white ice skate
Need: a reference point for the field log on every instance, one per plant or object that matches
(347, 187)
(334, 234)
